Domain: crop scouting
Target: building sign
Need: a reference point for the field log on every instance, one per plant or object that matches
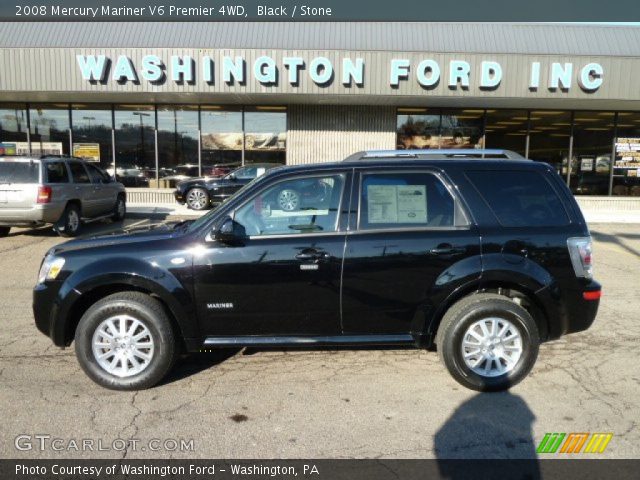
(628, 155)
(87, 151)
(428, 73)
(37, 148)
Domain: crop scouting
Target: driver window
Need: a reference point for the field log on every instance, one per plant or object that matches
(300, 205)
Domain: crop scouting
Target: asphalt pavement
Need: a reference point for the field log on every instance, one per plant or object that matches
(362, 403)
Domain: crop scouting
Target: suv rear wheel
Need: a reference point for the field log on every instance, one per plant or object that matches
(125, 342)
(120, 209)
(488, 342)
(4, 231)
(70, 223)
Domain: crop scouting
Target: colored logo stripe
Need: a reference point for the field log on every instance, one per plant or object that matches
(574, 442)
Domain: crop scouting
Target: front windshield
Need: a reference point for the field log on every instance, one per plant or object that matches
(206, 217)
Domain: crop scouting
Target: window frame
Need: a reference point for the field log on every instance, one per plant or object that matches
(66, 169)
(458, 203)
(340, 229)
(73, 178)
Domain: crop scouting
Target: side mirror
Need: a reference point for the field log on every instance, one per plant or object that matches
(230, 232)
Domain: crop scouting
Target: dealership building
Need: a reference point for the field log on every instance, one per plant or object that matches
(154, 102)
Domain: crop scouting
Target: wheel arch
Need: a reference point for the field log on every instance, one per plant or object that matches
(523, 294)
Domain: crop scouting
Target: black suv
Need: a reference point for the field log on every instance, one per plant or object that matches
(482, 257)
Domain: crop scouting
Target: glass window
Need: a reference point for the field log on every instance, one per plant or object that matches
(177, 144)
(549, 135)
(221, 140)
(56, 172)
(265, 139)
(507, 129)
(79, 173)
(417, 129)
(405, 200)
(13, 130)
(19, 172)
(301, 205)
(592, 145)
(49, 128)
(97, 175)
(461, 128)
(91, 126)
(520, 198)
(626, 171)
(135, 145)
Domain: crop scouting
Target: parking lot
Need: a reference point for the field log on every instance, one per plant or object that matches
(320, 403)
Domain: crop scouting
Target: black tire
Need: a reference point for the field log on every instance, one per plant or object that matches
(120, 209)
(150, 313)
(197, 198)
(4, 231)
(70, 222)
(463, 315)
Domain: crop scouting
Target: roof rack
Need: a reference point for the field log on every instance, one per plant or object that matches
(436, 154)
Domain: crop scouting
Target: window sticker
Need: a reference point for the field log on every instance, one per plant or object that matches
(412, 203)
(382, 203)
(397, 203)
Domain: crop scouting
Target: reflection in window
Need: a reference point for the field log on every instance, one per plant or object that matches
(177, 144)
(13, 130)
(221, 140)
(91, 128)
(461, 129)
(49, 129)
(417, 128)
(591, 161)
(301, 205)
(549, 136)
(507, 129)
(265, 138)
(626, 171)
(135, 145)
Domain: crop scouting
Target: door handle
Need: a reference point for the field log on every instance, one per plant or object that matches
(446, 250)
(312, 255)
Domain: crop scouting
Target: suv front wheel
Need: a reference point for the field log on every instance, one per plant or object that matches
(125, 342)
(488, 342)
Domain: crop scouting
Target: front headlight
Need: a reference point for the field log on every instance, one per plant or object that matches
(50, 269)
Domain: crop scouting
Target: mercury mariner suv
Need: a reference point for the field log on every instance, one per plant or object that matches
(479, 253)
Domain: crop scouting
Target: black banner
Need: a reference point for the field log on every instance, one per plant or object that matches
(318, 469)
(322, 10)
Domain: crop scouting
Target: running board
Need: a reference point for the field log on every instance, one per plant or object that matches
(302, 341)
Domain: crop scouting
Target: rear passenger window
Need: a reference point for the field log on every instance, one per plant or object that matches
(520, 198)
(406, 200)
(79, 173)
(57, 172)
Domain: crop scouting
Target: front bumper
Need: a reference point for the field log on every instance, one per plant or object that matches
(46, 312)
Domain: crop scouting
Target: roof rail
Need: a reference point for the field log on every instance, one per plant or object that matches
(436, 154)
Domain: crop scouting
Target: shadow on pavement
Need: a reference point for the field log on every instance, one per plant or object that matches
(616, 239)
(488, 426)
(191, 364)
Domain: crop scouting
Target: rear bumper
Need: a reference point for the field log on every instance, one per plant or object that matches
(179, 197)
(571, 309)
(38, 214)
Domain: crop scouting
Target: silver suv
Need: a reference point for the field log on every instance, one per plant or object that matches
(63, 191)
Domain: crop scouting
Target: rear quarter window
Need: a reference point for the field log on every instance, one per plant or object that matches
(520, 198)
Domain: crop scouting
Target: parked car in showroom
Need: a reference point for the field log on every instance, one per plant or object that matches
(62, 191)
(482, 257)
(201, 193)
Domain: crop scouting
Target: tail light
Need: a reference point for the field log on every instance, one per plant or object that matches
(580, 252)
(44, 194)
